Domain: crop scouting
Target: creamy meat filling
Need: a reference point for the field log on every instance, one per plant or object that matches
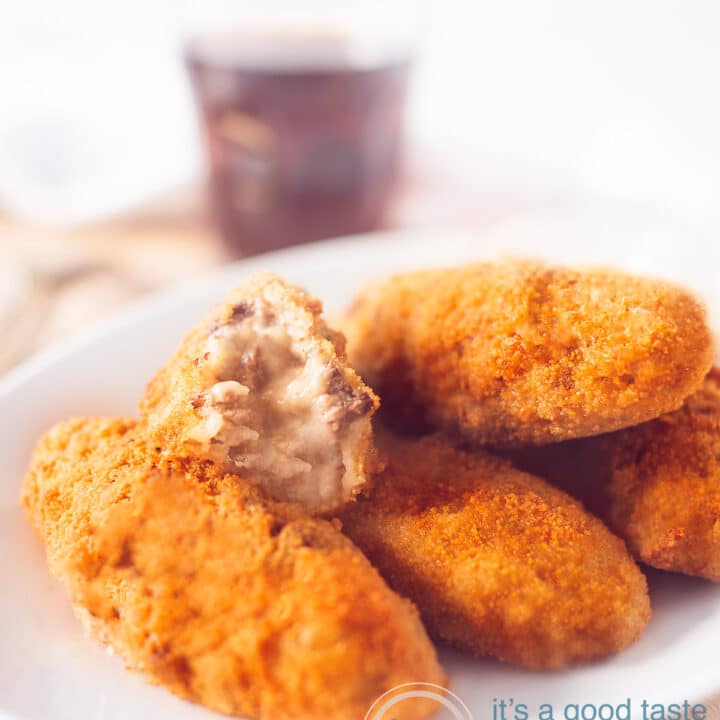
(278, 410)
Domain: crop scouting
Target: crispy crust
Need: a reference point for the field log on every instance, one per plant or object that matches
(499, 562)
(657, 485)
(172, 404)
(227, 599)
(520, 353)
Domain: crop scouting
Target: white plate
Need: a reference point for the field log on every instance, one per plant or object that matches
(50, 671)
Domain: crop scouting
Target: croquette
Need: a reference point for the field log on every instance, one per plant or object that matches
(499, 562)
(518, 353)
(261, 388)
(227, 599)
(657, 485)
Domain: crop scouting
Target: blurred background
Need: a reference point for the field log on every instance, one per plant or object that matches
(142, 143)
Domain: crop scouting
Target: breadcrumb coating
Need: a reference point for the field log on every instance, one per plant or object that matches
(261, 388)
(657, 485)
(499, 562)
(521, 353)
(223, 597)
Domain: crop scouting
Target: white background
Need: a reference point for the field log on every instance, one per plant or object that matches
(617, 98)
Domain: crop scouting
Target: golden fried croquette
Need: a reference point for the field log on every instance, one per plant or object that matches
(499, 562)
(261, 388)
(657, 485)
(520, 353)
(227, 599)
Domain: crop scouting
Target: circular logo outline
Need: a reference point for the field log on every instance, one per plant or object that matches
(425, 690)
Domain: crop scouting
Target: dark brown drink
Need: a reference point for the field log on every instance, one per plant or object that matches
(303, 142)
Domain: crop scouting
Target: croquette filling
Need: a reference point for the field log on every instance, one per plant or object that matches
(276, 410)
